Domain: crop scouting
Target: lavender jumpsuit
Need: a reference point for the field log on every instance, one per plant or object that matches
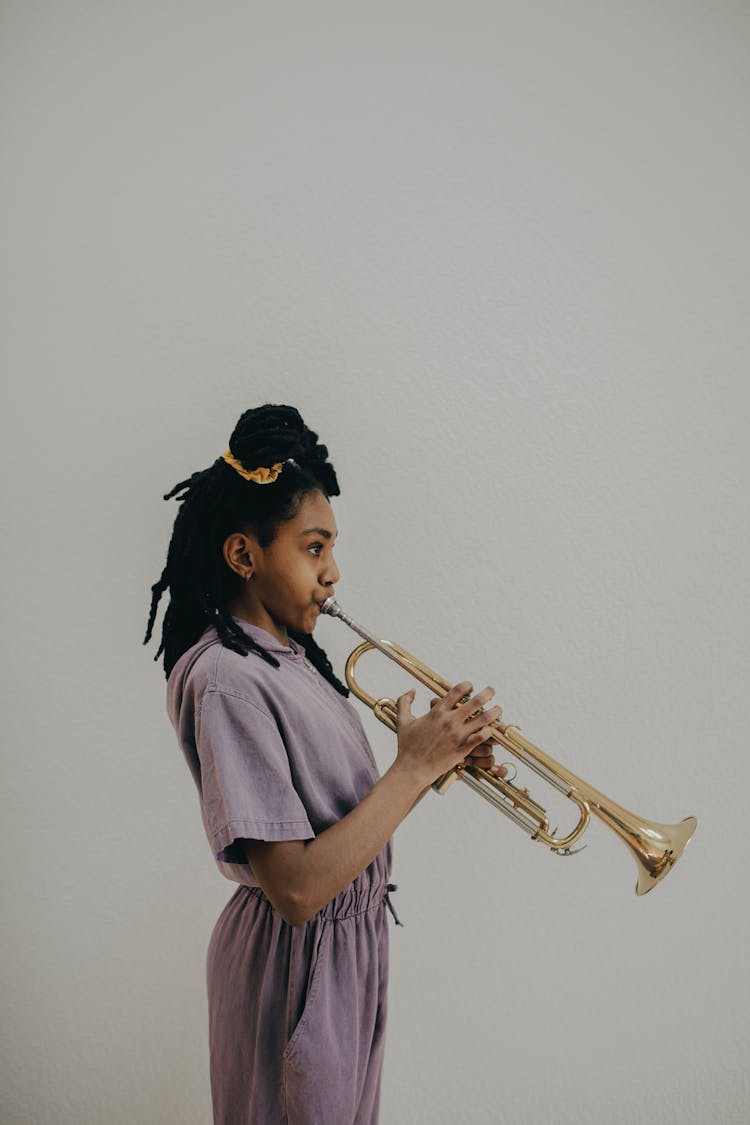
(296, 1013)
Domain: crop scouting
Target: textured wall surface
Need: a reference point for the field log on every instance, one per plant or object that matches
(497, 254)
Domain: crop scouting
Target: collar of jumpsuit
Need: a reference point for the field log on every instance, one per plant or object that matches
(268, 641)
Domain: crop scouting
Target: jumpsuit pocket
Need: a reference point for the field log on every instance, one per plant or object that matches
(315, 975)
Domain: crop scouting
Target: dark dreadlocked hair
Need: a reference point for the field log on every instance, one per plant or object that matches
(217, 501)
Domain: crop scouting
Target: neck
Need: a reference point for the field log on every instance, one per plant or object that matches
(254, 615)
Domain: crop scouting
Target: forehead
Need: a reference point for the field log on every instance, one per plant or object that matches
(315, 515)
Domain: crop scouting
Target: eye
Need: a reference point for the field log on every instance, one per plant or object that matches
(315, 549)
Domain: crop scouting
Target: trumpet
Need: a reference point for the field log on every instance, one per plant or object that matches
(655, 847)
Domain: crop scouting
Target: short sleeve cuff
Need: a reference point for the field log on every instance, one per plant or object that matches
(259, 830)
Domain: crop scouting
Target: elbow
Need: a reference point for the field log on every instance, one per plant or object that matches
(294, 908)
(285, 878)
(296, 918)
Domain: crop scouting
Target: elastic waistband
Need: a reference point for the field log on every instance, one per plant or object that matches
(358, 898)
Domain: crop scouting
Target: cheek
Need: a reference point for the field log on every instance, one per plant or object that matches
(299, 583)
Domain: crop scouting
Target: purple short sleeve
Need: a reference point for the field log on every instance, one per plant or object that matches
(247, 786)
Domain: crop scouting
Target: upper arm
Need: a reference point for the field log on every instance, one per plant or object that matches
(247, 789)
(277, 865)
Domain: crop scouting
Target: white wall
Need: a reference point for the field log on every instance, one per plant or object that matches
(497, 254)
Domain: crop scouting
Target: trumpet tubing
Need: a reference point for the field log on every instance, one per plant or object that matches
(655, 847)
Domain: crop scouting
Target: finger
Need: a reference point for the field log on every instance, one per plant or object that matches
(475, 740)
(484, 761)
(480, 719)
(459, 698)
(403, 707)
(434, 702)
(478, 763)
(457, 693)
(485, 750)
(477, 702)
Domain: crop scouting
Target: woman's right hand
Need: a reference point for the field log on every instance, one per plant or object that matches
(432, 744)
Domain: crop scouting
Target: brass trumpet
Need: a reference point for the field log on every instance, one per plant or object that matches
(655, 847)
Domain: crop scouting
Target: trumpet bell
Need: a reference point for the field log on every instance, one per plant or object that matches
(656, 849)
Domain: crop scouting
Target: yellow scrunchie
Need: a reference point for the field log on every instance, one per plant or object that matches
(258, 476)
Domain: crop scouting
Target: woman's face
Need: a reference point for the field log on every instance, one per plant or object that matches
(292, 576)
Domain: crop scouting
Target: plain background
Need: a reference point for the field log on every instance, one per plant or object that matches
(497, 253)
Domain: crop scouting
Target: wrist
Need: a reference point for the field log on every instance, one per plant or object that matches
(409, 776)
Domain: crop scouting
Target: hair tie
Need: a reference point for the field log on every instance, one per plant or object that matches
(257, 476)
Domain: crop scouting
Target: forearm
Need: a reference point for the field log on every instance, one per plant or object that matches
(300, 878)
(420, 795)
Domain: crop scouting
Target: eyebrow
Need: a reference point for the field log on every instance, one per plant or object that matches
(317, 531)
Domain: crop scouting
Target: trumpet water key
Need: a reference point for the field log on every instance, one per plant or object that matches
(655, 847)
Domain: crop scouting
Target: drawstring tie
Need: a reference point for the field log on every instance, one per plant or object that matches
(389, 890)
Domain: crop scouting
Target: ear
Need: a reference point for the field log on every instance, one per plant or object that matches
(239, 552)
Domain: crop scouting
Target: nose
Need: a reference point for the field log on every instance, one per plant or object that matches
(330, 575)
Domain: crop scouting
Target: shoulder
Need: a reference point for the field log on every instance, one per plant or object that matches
(221, 669)
(209, 668)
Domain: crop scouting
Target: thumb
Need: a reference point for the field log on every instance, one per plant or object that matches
(403, 706)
